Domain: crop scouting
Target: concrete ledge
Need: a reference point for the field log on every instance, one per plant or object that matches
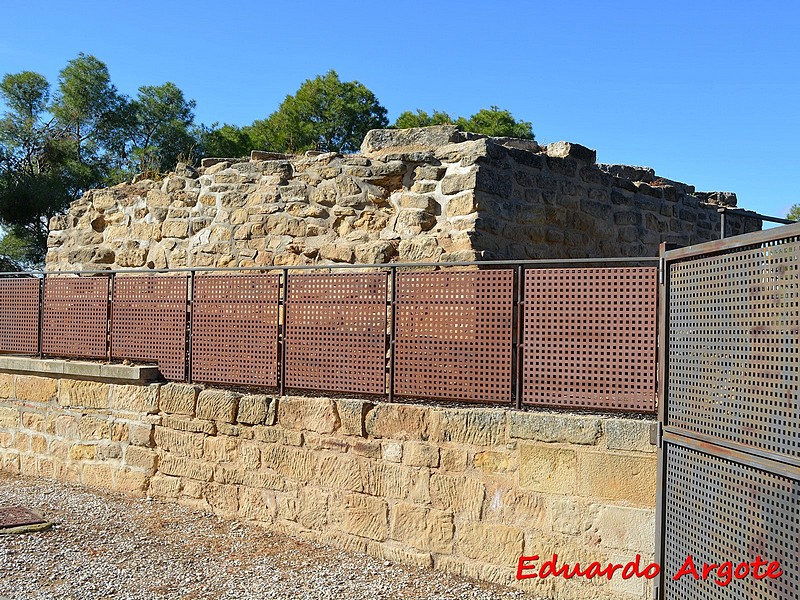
(44, 367)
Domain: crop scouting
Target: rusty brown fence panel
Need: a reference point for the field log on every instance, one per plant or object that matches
(454, 335)
(148, 322)
(590, 338)
(336, 332)
(19, 315)
(235, 329)
(75, 317)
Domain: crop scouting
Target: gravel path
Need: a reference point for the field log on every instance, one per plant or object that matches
(106, 545)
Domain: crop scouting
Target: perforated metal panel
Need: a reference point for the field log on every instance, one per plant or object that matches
(235, 329)
(19, 315)
(453, 335)
(148, 322)
(590, 338)
(336, 332)
(719, 510)
(75, 316)
(734, 350)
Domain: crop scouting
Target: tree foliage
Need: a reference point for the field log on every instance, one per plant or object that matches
(794, 213)
(492, 121)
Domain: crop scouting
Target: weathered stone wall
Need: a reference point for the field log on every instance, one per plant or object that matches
(432, 194)
(463, 490)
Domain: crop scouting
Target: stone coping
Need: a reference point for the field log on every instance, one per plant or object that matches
(31, 365)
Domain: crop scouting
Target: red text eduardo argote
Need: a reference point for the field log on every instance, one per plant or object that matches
(529, 567)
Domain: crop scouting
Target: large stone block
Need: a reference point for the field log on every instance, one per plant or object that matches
(389, 480)
(221, 449)
(547, 469)
(94, 428)
(97, 476)
(628, 434)
(222, 497)
(180, 443)
(544, 427)
(496, 544)
(423, 528)
(178, 398)
(135, 398)
(313, 414)
(339, 472)
(381, 141)
(352, 414)
(39, 389)
(164, 486)
(254, 409)
(477, 426)
(461, 494)
(141, 458)
(294, 463)
(625, 528)
(6, 386)
(185, 467)
(366, 516)
(84, 394)
(217, 405)
(420, 454)
(627, 478)
(398, 421)
(9, 418)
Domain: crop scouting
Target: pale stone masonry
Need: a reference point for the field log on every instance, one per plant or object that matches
(465, 490)
(432, 194)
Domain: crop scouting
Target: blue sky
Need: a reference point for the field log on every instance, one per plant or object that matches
(705, 92)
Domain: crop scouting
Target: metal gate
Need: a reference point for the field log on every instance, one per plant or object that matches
(729, 464)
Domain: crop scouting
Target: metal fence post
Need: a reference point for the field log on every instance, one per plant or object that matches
(392, 331)
(517, 326)
(41, 314)
(189, 327)
(109, 314)
(284, 294)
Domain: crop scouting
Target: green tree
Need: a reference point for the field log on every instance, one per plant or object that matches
(421, 118)
(488, 121)
(794, 213)
(161, 120)
(324, 114)
(225, 140)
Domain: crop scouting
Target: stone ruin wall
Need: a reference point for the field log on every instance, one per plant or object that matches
(431, 195)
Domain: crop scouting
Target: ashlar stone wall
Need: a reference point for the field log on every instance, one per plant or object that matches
(432, 194)
(462, 490)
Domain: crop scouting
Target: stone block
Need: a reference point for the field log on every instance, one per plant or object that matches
(217, 405)
(495, 544)
(625, 528)
(141, 458)
(380, 141)
(476, 426)
(6, 386)
(93, 428)
(569, 150)
(547, 469)
(178, 398)
(495, 463)
(544, 427)
(131, 482)
(135, 398)
(392, 451)
(140, 435)
(164, 486)
(423, 528)
(388, 480)
(453, 459)
(9, 418)
(294, 463)
(185, 467)
(254, 408)
(97, 476)
(628, 434)
(312, 414)
(84, 394)
(627, 478)
(180, 443)
(35, 422)
(420, 454)
(223, 498)
(457, 183)
(352, 414)
(366, 516)
(399, 422)
(29, 388)
(221, 449)
(312, 509)
(462, 204)
(339, 472)
(183, 423)
(82, 452)
(368, 449)
(464, 495)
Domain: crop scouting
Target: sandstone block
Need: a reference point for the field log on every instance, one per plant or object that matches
(221, 448)
(257, 505)
(294, 463)
(492, 462)
(312, 509)
(140, 435)
(628, 434)
(388, 480)
(543, 427)
(423, 528)
(368, 449)
(9, 418)
(93, 428)
(366, 516)
(419, 454)
(131, 482)
(618, 477)
(453, 459)
(352, 414)
(36, 389)
(337, 253)
(180, 443)
(496, 544)
(6, 386)
(135, 398)
(410, 220)
(141, 458)
(398, 422)
(185, 467)
(380, 141)
(85, 394)
(546, 469)
(462, 204)
(254, 408)
(97, 476)
(67, 427)
(313, 414)
(568, 150)
(163, 486)
(392, 451)
(217, 405)
(82, 452)
(457, 183)
(182, 423)
(178, 398)
(339, 472)
(222, 497)
(483, 427)
(373, 253)
(625, 528)
(464, 495)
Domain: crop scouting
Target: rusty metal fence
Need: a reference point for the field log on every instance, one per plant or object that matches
(521, 334)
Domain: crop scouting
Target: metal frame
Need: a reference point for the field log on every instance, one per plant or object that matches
(392, 271)
(768, 461)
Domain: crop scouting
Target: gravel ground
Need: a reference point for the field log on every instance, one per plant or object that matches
(106, 545)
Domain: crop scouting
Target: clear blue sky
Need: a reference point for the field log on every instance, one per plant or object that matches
(704, 92)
